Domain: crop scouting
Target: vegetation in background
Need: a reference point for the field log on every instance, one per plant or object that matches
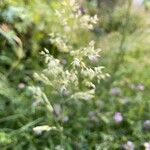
(64, 98)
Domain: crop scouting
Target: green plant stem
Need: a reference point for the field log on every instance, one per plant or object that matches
(17, 62)
(119, 58)
(50, 109)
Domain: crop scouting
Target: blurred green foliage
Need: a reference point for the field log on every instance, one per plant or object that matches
(24, 31)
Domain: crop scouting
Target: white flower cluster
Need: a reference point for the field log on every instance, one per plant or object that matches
(72, 18)
(90, 52)
(87, 21)
(39, 129)
(79, 77)
(77, 80)
(60, 42)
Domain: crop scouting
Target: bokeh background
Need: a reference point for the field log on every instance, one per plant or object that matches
(119, 117)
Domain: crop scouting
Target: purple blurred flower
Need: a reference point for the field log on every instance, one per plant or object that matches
(140, 87)
(146, 124)
(63, 62)
(65, 119)
(147, 146)
(93, 116)
(115, 91)
(82, 10)
(21, 85)
(118, 117)
(57, 109)
(128, 146)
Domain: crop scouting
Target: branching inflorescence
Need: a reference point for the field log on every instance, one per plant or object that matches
(79, 78)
